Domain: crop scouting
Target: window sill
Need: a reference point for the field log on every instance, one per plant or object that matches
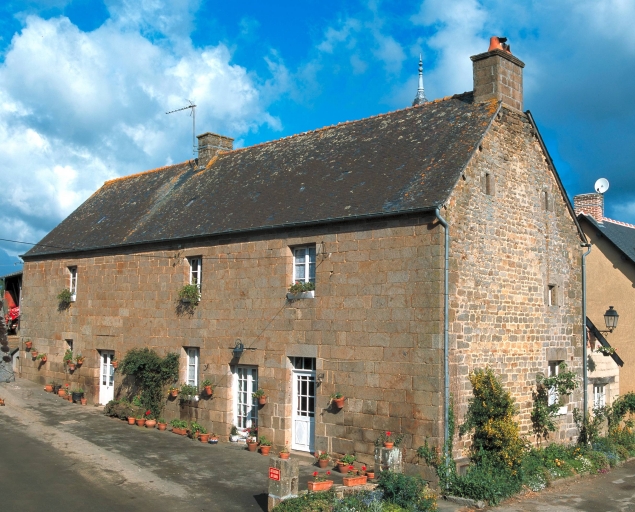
(302, 295)
(562, 411)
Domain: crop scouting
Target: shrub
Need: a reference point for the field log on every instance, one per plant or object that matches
(409, 492)
(311, 502)
(190, 293)
(543, 415)
(488, 480)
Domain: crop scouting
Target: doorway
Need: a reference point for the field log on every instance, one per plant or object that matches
(106, 377)
(303, 415)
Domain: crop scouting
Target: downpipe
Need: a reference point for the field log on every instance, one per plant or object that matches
(446, 341)
(585, 398)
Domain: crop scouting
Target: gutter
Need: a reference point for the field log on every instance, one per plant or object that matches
(585, 400)
(446, 341)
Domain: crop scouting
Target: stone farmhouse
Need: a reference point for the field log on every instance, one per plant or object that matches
(610, 284)
(439, 240)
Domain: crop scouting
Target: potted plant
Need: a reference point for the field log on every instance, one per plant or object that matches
(345, 462)
(150, 421)
(203, 435)
(320, 482)
(213, 438)
(605, 351)
(114, 363)
(131, 420)
(77, 394)
(34, 354)
(323, 459)
(1, 401)
(83, 400)
(252, 440)
(56, 388)
(140, 421)
(389, 440)
(42, 358)
(28, 344)
(161, 424)
(49, 387)
(187, 391)
(174, 391)
(190, 294)
(65, 297)
(265, 445)
(63, 390)
(284, 453)
(79, 360)
(301, 290)
(195, 430)
(370, 473)
(337, 399)
(260, 395)
(354, 478)
(68, 356)
(208, 386)
(234, 435)
(179, 427)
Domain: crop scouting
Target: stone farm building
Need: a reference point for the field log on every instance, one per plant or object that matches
(362, 209)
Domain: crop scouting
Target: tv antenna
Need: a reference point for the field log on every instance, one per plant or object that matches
(601, 185)
(193, 114)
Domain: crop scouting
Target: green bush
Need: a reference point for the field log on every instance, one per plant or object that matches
(409, 492)
(311, 502)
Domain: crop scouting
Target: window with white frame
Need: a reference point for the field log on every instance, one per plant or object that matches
(599, 395)
(73, 282)
(192, 366)
(196, 267)
(304, 264)
(553, 398)
(245, 406)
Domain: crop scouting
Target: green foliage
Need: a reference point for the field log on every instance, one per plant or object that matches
(490, 417)
(543, 415)
(259, 393)
(206, 383)
(621, 406)
(264, 441)
(590, 428)
(311, 502)
(176, 423)
(300, 287)
(409, 492)
(65, 296)
(389, 437)
(187, 391)
(190, 293)
(68, 356)
(348, 459)
(152, 373)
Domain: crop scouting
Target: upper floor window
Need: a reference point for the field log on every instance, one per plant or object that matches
(192, 366)
(489, 185)
(196, 267)
(304, 264)
(552, 295)
(73, 282)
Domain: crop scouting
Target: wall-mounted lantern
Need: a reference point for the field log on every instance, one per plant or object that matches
(610, 319)
(238, 349)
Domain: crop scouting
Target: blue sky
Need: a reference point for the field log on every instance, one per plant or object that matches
(85, 84)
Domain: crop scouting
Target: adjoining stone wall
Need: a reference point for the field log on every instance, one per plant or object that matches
(506, 249)
(374, 326)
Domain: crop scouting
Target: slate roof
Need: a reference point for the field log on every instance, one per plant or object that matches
(403, 161)
(620, 234)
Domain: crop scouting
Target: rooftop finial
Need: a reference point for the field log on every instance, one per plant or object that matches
(420, 98)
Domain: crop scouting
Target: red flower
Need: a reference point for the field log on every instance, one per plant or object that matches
(351, 468)
(388, 433)
(363, 468)
(66, 384)
(148, 413)
(315, 473)
(328, 473)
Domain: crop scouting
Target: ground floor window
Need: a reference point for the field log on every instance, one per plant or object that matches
(554, 369)
(245, 405)
(599, 395)
(192, 366)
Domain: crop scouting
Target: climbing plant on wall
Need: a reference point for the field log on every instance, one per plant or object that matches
(151, 373)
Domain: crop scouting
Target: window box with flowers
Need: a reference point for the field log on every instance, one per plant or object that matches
(301, 290)
(190, 294)
(320, 482)
(355, 477)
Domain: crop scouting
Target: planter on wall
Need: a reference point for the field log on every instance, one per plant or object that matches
(320, 486)
(338, 402)
(301, 295)
(351, 481)
(262, 400)
(28, 344)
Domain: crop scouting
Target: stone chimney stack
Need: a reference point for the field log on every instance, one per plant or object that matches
(498, 75)
(590, 204)
(209, 144)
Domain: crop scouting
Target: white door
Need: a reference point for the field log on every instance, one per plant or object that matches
(303, 406)
(106, 377)
(245, 406)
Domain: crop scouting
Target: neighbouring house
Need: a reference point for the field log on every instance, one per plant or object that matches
(12, 292)
(610, 284)
(359, 212)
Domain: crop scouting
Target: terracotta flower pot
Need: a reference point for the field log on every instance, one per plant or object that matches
(151, 423)
(203, 438)
(83, 400)
(252, 446)
(61, 392)
(79, 362)
(115, 364)
(34, 354)
(208, 390)
(1, 401)
(388, 445)
(264, 450)
(48, 388)
(69, 397)
(140, 422)
(174, 393)
(323, 463)
(320, 486)
(342, 468)
(180, 431)
(44, 359)
(262, 400)
(28, 344)
(370, 475)
(284, 455)
(339, 402)
(71, 367)
(131, 420)
(351, 481)
(162, 426)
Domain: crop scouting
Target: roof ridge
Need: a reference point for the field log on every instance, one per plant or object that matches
(343, 123)
(619, 222)
(156, 169)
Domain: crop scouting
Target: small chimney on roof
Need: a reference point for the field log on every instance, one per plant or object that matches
(209, 145)
(498, 75)
(590, 204)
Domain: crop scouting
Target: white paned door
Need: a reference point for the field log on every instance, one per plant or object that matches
(245, 406)
(106, 377)
(303, 410)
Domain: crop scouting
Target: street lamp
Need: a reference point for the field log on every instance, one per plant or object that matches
(238, 349)
(610, 319)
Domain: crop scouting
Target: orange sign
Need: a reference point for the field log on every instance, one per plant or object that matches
(274, 474)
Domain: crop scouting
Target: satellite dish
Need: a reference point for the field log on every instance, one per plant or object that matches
(601, 185)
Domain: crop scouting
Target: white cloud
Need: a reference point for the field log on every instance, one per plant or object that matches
(78, 108)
